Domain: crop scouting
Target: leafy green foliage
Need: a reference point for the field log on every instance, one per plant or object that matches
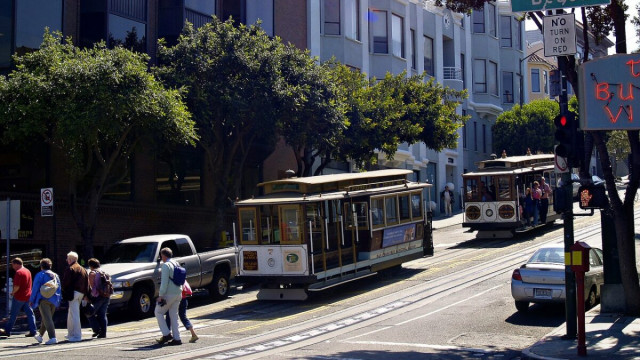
(94, 105)
(531, 128)
(381, 114)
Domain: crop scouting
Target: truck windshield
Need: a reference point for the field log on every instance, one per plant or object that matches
(131, 253)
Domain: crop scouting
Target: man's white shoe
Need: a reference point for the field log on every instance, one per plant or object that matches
(38, 338)
(51, 341)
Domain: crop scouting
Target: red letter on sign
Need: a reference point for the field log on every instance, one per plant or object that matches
(602, 91)
(611, 118)
(628, 97)
(631, 63)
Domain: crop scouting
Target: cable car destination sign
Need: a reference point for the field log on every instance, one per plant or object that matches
(541, 5)
(609, 86)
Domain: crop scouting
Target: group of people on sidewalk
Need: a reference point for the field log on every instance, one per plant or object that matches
(534, 203)
(46, 292)
(84, 292)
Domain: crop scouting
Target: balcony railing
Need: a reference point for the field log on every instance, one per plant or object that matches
(452, 73)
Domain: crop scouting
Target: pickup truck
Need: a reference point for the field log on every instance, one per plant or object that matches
(134, 265)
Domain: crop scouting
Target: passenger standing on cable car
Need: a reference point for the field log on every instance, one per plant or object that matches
(536, 194)
(544, 200)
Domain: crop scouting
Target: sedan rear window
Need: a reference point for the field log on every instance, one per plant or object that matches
(548, 255)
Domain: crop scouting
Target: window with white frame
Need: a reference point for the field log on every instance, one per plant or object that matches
(492, 78)
(507, 87)
(545, 77)
(352, 19)
(397, 35)
(331, 17)
(535, 80)
(478, 21)
(428, 56)
(505, 31)
(378, 30)
(491, 18)
(480, 76)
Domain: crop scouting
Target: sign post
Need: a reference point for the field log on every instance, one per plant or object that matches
(9, 226)
(559, 33)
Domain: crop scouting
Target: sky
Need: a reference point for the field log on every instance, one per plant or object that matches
(632, 39)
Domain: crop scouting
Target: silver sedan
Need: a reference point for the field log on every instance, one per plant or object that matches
(541, 279)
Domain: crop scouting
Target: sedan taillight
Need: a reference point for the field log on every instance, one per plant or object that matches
(516, 275)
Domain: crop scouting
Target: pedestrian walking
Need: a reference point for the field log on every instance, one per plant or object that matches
(46, 301)
(182, 312)
(447, 198)
(75, 285)
(99, 300)
(21, 293)
(169, 298)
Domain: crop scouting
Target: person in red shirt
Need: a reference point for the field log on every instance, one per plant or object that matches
(21, 294)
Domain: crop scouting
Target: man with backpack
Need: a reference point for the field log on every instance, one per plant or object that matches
(169, 298)
(46, 296)
(100, 295)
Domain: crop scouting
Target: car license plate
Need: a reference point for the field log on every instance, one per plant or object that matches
(542, 293)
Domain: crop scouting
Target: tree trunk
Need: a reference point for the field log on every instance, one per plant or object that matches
(624, 227)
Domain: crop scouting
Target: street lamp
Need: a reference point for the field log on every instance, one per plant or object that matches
(522, 75)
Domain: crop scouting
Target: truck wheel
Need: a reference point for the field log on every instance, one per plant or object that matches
(141, 304)
(219, 288)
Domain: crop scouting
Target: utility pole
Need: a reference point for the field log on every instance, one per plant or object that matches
(570, 280)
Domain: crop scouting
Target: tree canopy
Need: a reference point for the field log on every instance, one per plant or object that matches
(94, 106)
(382, 114)
(530, 127)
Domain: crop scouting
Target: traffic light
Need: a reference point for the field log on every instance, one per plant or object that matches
(567, 138)
(592, 197)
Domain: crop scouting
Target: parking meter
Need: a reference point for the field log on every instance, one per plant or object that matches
(580, 265)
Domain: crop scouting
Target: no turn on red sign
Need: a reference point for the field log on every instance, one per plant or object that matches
(559, 33)
(46, 202)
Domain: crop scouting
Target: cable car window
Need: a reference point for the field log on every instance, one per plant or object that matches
(377, 212)
(405, 212)
(391, 210)
(248, 226)
(290, 224)
(504, 188)
(416, 208)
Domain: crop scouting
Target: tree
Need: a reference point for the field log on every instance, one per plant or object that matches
(531, 128)
(381, 114)
(234, 79)
(312, 127)
(93, 105)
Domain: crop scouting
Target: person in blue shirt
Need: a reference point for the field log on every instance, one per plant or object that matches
(47, 306)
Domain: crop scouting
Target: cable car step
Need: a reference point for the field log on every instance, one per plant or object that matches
(282, 294)
(340, 280)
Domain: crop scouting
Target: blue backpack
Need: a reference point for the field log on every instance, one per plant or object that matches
(179, 274)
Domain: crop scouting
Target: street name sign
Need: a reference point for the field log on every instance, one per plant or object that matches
(609, 86)
(542, 5)
(559, 35)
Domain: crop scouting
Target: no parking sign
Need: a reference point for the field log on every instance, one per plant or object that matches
(46, 202)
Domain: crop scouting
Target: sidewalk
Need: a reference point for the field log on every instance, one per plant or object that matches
(608, 336)
(443, 221)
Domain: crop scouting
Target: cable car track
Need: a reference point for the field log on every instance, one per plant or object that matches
(423, 289)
